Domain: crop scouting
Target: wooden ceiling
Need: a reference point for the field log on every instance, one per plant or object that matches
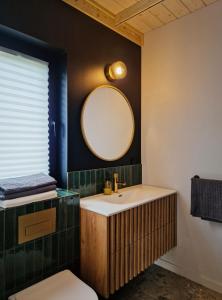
(133, 18)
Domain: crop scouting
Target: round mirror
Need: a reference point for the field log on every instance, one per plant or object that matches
(107, 123)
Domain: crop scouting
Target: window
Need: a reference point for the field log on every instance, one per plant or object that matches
(24, 115)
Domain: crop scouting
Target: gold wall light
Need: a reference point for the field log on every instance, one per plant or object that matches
(116, 70)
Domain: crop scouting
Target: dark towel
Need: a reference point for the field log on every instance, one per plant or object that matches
(206, 199)
(25, 183)
(40, 190)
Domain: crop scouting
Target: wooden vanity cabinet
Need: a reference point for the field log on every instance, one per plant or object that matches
(117, 248)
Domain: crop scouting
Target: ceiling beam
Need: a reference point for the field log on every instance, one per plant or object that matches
(101, 15)
(134, 10)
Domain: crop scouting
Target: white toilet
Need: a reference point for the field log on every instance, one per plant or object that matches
(61, 286)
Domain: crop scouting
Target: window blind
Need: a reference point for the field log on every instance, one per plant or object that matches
(24, 115)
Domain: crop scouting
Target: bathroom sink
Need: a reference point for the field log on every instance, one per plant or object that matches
(125, 199)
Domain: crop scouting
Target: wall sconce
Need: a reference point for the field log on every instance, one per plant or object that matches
(116, 70)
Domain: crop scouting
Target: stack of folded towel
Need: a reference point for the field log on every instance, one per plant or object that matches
(26, 189)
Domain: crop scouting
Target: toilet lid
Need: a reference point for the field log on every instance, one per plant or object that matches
(61, 286)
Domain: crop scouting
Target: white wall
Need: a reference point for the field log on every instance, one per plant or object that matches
(182, 130)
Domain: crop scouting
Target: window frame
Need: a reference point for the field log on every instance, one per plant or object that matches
(16, 42)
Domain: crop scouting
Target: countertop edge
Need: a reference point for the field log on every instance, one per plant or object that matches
(95, 210)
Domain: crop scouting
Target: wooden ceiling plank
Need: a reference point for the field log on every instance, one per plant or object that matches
(107, 19)
(176, 7)
(112, 6)
(151, 20)
(125, 3)
(193, 5)
(138, 23)
(134, 10)
(208, 2)
(162, 13)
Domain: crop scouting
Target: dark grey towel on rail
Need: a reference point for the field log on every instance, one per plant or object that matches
(206, 199)
(40, 190)
(25, 183)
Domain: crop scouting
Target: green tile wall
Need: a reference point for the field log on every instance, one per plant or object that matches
(22, 265)
(91, 182)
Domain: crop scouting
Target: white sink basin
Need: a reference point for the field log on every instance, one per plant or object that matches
(126, 198)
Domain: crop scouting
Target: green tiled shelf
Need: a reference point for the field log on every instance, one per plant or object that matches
(22, 265)
(91, 182)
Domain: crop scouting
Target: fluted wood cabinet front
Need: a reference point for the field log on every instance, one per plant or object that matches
(115, 249)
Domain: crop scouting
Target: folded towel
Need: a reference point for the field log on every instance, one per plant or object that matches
(206, 199)
(25, 183)
(28, 199)
(39, 190)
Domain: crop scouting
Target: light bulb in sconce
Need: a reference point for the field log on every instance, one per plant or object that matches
(116, 70)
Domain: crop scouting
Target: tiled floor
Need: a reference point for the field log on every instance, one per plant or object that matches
(159, 284)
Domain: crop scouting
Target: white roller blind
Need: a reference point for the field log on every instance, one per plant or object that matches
(24, 115)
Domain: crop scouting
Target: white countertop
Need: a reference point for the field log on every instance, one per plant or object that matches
(123, 200)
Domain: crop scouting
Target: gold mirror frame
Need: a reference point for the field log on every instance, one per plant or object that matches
(83, 130)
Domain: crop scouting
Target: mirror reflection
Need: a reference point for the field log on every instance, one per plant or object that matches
(107, 123)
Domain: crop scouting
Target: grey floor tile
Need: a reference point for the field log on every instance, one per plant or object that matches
(159, 284)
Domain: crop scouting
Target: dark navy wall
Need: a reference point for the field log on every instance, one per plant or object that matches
(89, 47)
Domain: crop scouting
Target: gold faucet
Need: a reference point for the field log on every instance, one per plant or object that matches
(117, 183)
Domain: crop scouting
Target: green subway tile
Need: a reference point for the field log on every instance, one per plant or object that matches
(82, 186)
(70, 180)
(62, 248)
(99, 188)
(99, 176)
(55, 204)
(9, 268)
(2, 294)
(83, 191)
(2, 229)
(70, 211)
(119, 173)
(29, 261)
(10, 228)
(108, 175)
(47, 257)
(70, 236)
(38, 257)
(47, 204)
(19, 211)
(93, 189)
(82, 178)
(131, 174)
(134, 175)
(114, 170)
(127, 175)
(88, 183)
(39, 206)
(137, 174)
(55, 252)
(88, 177)
(76, 180)
(20, 265)
(30, 208)
(76, 241)
(76, 211)
(62, 216)
(2, 276)
(93, 176)
(122, 174)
